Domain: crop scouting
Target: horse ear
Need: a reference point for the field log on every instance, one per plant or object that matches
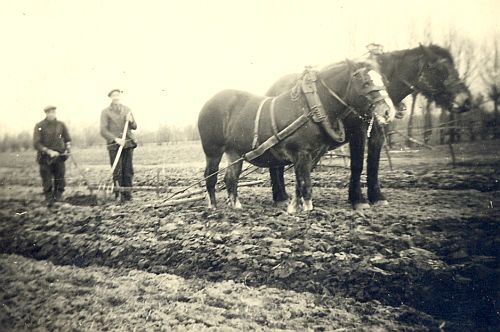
(350, 64)
(426, 51)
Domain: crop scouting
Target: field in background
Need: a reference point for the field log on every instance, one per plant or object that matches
(21, 167)
(151, 154)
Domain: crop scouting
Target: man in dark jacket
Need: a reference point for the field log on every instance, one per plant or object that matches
(113, 120)
(52, 141)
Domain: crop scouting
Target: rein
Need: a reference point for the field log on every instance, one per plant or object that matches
(350, 109)
(406, 82)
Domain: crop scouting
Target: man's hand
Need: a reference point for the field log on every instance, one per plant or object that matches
(52, 153)
(130, 117)
(120, 141)
(68, 148)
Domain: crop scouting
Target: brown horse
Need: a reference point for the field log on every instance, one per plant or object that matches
(428, 70)
(232, 122)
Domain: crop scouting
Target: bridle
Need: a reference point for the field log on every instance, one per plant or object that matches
(306, 87)
(422, 84)
(317, 112)
(365, 93)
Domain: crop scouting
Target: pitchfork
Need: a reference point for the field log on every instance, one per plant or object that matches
(103, 185)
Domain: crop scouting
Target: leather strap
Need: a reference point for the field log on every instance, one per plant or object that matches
(275, 139)
(256, 123)
(273, 118)
(317, 110)
(333, 93)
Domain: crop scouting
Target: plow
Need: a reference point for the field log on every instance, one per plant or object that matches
(105, 188)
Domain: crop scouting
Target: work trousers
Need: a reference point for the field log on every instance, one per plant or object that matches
(52, 172)
(124, 171)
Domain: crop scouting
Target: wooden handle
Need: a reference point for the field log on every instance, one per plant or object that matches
(118, 154)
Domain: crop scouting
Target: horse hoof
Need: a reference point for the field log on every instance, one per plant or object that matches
(281, 204)
(381, 203)
(291, 209)
(237, 205)
(308, 205)
(293, 206)
(361, 206)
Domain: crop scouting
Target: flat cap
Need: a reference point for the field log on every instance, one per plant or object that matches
(49, 108)
(109, 94)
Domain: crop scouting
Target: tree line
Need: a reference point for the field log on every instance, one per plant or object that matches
(432, 125)
(89, 136)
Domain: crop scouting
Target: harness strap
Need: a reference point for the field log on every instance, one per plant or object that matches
(348, 110)
(411, 86)
(333, 93)
(407, 83)
(273, 118)
(318, 115)
(379, 98)
(275, 139)
(256, 125)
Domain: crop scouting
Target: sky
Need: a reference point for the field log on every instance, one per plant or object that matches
(170, 57)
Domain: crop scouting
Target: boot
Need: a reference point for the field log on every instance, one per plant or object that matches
(58, 197)
(126, 196)
(49, 199)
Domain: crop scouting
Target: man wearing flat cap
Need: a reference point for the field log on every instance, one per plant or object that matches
(53, 144)
(113, 119)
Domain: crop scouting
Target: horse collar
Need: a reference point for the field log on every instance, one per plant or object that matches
(317, 110)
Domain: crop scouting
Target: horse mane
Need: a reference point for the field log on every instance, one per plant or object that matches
(440, 51)
(337, 66)
(399, 54)
(354, 64)
(388, 60)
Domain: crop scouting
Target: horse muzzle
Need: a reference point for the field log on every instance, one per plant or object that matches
(461, 103)
(384, 111)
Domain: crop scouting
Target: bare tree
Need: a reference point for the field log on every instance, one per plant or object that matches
(409, 129)
(462, 49)
(427, 38)
(491, 77)
(426, 110)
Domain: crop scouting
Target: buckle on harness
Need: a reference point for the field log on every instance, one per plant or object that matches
(317, 113)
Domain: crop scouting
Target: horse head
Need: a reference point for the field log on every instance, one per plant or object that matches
(365, 91)
(438, 79)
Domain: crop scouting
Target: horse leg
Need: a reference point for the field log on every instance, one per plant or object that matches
(357, 149)
(212, 166)
(303, 187)
(278, 184)
(231, 180)
(375, 144)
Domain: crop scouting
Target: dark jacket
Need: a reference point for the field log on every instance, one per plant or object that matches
(52, 135)
(112, 123)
